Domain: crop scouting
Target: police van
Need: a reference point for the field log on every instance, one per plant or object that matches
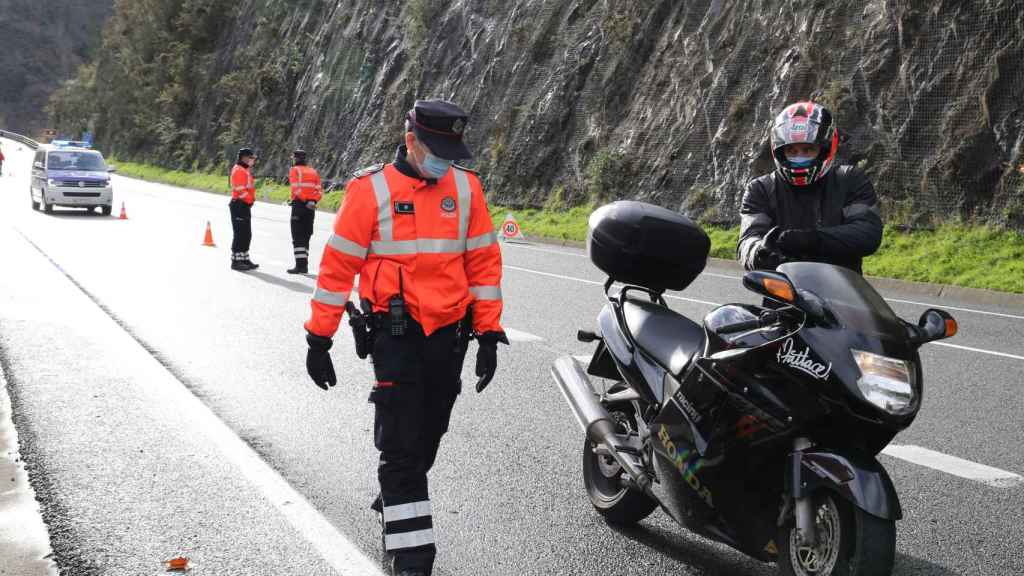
(70, 175)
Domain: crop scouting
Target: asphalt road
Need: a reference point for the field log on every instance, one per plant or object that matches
(135, 360)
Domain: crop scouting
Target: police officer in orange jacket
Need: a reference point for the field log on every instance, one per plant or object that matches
(418, 233)
(307, 190)
(243, 195)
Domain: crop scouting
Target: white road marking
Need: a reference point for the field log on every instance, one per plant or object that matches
(955, 466)
(24, 539)
(709, 303)
(978, 350)
(969, 310)
(520, 336)
(583, 359)
(731, 277)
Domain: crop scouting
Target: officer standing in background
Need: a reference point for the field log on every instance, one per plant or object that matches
(306, 192)
(419, 234)
(243, 195)
(805, 210)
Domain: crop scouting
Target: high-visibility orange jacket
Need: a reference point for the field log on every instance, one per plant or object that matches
(243, 186)
(306, 185)
(438, 236)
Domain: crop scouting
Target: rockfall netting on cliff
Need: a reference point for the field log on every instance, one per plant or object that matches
(586, 100)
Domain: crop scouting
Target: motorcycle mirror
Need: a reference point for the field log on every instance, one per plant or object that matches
(937, 325)
(774, 285)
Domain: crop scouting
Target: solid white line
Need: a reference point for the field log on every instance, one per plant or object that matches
(708, 303)
(24, 539)
(979, 350)
(969, 310)
(955, 466)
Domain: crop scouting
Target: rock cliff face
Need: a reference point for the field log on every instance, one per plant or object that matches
(41, 45)
(587, 100)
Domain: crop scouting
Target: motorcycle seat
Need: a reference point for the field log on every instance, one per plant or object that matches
(666, 336)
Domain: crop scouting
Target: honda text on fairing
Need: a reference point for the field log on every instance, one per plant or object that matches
(759, 428)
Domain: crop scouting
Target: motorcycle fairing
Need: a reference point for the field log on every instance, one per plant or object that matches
(861, 480)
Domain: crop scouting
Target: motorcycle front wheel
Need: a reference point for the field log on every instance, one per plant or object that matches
(850, 542)
(610, 492)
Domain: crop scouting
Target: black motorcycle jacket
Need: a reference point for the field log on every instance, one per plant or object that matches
(842, 207)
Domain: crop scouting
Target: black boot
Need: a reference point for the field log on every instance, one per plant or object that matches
(301, 266)
(249, 263)
(238, 262)
(395, 571)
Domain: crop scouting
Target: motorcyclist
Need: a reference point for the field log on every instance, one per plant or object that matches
(804, 210)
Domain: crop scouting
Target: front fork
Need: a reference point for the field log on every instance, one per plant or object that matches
(803, 505)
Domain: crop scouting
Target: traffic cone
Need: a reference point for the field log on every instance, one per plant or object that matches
(124, 215)
(208, 240)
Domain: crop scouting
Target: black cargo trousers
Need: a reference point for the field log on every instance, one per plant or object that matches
(241, 225)
(418, 380)
(302, 229)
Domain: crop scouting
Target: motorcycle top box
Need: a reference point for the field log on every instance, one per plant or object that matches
(646, 245)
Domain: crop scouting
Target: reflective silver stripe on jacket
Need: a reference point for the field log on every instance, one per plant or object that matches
(383, 194)
(388, 246)
(408, 539)
(486, 292)
(325, 296)
(407, 511)
(482, 241)
(346, 246)
(465, 201)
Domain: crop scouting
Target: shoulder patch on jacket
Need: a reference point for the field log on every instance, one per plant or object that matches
(368, 170)
(470, 170)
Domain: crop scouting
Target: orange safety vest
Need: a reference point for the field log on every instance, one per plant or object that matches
(439, 237)
(243, 186)
(305, 183)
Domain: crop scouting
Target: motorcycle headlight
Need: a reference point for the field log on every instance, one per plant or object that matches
(886, 382)
(53, 182)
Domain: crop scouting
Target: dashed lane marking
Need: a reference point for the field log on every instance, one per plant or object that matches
(520, 336)
(955, 466)
(709, 303)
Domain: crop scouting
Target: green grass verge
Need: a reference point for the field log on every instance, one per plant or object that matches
(969, 256)
(973, 257)
(266, 188)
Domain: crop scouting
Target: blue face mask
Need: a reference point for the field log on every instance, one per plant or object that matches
(802, 161)
(434, 167)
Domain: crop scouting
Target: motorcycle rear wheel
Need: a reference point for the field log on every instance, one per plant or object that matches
(609, 491)
(851, 542)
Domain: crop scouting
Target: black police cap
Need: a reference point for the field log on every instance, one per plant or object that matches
(245, 153)
(440, 124)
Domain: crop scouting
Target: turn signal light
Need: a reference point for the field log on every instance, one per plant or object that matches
(780, 289)
(951, 327)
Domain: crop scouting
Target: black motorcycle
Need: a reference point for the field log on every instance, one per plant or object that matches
(759, 429)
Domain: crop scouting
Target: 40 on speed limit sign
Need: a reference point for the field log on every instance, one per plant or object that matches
(510, 229)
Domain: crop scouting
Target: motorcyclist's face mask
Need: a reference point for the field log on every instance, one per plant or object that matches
(428, 165)
(802, 155)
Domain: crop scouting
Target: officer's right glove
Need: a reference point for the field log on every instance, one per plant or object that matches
(487, 357)
(318, 361)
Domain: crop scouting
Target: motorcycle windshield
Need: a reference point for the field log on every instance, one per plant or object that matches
(848, 296)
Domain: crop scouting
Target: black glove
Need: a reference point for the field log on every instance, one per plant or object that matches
(765, 258)
(318, 361)
(487, 357)
(798, 242)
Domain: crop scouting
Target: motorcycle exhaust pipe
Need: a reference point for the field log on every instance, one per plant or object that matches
(572, 380)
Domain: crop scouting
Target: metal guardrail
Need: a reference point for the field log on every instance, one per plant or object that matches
(19, 138)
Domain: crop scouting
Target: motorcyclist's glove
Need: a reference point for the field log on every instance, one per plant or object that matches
(798, 242)
(318, 361)
(487, 357)
(765, 258)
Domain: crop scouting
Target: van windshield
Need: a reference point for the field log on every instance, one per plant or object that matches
(76, 161)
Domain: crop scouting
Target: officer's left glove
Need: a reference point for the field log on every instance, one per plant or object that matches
(318, 361)
(487, 357)
(311, 205)
(798, 242)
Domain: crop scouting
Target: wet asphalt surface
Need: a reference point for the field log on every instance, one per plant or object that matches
(100, 319)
